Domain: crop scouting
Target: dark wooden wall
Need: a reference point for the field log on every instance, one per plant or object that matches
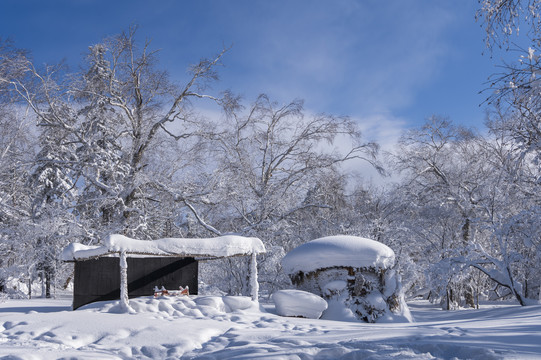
(99, 279)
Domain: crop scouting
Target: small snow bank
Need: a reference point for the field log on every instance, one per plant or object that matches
(342, 250)
(531, 302)
(337, 311)
(401, 315)
(298, 303)
(180, 306)
(222, 246)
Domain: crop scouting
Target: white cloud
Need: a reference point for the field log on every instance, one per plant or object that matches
(368, 60)
(385, 130)
(353, 59)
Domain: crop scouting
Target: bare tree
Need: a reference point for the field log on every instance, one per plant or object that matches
(114, 115)
(270, 161)
(272, 155)
(437, 181)
(468, 202)
(503, 18)
(16, 152)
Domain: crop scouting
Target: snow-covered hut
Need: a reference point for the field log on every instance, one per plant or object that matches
(101, 272)
(348, 271)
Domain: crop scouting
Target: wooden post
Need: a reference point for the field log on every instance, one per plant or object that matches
(254, 285)
(124, 299)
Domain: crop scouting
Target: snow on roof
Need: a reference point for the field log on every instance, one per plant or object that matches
(76, 251)
(341, 250)
(223, 246)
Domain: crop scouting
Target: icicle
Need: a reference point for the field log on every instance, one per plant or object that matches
(254, 285)
(124, 300)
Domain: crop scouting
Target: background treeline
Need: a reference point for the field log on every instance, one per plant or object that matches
(119, 147)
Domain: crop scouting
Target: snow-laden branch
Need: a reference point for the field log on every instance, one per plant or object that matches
(201, 221)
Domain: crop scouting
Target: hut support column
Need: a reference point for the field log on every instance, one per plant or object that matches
(254, 285)
(124, 299)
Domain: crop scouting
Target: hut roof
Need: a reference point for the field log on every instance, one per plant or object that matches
(223, 246)
(338, 251)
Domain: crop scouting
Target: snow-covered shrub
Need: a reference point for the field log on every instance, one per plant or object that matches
(14, 288)
(352, 272)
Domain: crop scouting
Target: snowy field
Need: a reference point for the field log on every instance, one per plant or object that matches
(213, 327)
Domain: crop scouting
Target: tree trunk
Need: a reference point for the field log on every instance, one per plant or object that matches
(48, 283)
(42, 278)
(448, 295)
(469, 296)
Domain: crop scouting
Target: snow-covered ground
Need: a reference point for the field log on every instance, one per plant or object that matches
(213, 327)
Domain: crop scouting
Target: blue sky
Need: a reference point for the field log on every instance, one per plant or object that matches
(389, 64)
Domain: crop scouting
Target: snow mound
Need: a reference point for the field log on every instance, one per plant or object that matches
(298, 303)
(338, 251)
(180, 306)
(222, 246)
